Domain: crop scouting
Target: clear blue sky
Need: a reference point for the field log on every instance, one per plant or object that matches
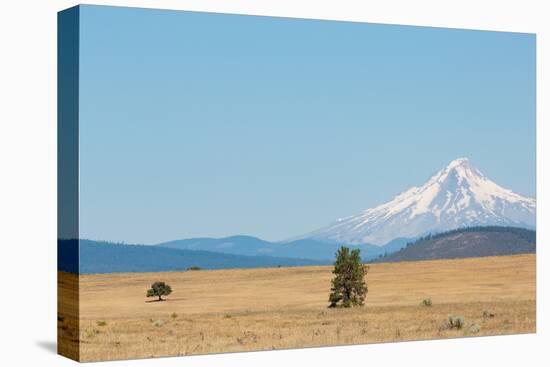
(196, 124)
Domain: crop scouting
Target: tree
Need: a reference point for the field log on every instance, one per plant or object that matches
(348, 286)
(159, 289)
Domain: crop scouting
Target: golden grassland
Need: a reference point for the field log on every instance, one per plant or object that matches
(278, 308)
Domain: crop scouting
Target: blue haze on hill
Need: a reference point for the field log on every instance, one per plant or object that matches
(107, 257)
(302, 248)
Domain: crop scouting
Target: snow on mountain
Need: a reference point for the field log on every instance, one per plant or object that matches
(457, 196)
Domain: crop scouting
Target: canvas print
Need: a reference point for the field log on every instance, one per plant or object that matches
(233, 183)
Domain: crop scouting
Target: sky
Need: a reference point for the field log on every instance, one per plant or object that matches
(210, 125)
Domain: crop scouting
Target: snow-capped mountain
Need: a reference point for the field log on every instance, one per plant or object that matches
(457, 196)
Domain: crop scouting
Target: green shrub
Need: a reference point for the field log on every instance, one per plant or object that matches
(474, 329)
(194, 268)
(426, 302)
(456, 322)
(102, 323)
(91, 333)
(174, 315)
(158, 323)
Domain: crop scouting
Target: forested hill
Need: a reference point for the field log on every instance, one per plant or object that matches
(467, 242)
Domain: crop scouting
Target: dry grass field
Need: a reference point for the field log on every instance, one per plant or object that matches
(279, 308)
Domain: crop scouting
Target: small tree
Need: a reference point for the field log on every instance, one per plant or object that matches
(159, 289)
(348, 286)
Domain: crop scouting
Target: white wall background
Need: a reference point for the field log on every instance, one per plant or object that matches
(28, 180)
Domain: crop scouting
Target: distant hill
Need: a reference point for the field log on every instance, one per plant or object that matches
(107, 257)
(297, 249)
(467, 242)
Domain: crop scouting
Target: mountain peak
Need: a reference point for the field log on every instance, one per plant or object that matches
(462, 165)
(462, 161)
(457, 196)
(460, 170)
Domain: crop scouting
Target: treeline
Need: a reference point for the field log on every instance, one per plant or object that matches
(466, 242)
(524, 233)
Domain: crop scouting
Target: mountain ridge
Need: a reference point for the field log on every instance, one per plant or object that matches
(303, 248)
(96, 257)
